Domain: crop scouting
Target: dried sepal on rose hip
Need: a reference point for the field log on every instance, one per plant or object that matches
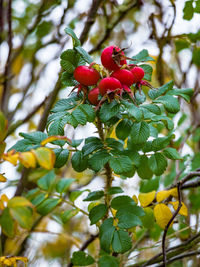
(86, 75)
(112, 58)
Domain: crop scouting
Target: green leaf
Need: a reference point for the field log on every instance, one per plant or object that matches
(197, 6)
(154, 93)
(88, 111)
(23, 215)
(106, 232)
(67, 79)
(121, 241)
(188, 10)
(38, 199)
(7, 223)
(94, 195)
(47, 205)
(196, 56)
(116, 145)
(120, 164)
(65, 104)
(148, 220)
(127, 219)
(44, 28)
(184, 93)
(171, 153)
(79, 161)
(46, 182)
(97, 213)
(79, 117)
(109, 110)
(108, 261)
(24, 145)
(147, 186)
(181, 44)
(144, 170)
(75, 194)
(72, 56)
(34, 137)
(158, 163)
(91, 144)
(75, 39)
(132, 110)
(167, 121)
(62, 156)
(80, 258)
(152, 108)
(67, 66)
(98, 160)
(64, 184)
(68, 214)
(114, 190)
(84, 54)
(148, 71)
(170, 103)
(123, 129)
(121, 202)
(142, 56)
(140, 132)
(57, 127)
(140, 97)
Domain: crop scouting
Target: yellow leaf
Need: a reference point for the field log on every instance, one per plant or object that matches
(4, 198)
(3, 126)
(45, 157)
(183, 211)
(1, 205)
(11, 156)
(3, 179)
(27, 159)
(2, 148)
(146, 198)
(19, 202)
(162, 214)
(166, 193)
(135, 199)
(17, 64)
(54, 138)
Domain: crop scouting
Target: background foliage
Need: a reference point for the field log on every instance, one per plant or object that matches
(47, 220)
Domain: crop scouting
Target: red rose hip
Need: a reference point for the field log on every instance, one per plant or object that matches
(124, 76)
(107, 59)
(109, 83)
(93, 96)
(138, 74)
(86, 75)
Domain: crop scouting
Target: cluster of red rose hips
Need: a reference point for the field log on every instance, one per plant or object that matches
(120, 76)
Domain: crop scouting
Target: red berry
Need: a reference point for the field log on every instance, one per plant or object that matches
(93, 96)
(124, 76)
(109, 83)
(138, 74)
(86, 75)
(107, 58)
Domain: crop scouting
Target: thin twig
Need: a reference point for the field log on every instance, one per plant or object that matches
(169, 223)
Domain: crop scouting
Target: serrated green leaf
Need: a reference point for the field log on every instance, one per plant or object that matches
(46, 182)
(75, 39)
(154, 93)
(62, 156)
(121, 241)
(147, 186)
(67, 66)
(38, 199)
(170, 103)
(71, 55)
(108, 261)
(127, 219)
(98, 160)
(148, 220)
(158, 163)
(143, 170)
(48, 205)
(106, 232)
(120, 164)
(23, 146)
(148, 71)
(94, 195)
(140, 97)
(132, 110)
(142, 56)
(184, 93)
(23, 215)
(167, 121)
(140, 132)
(91, 144)
(34, 137)
(152, 108)
(64, 184)
(171, 153)
(84, 54)
(116, 145)
(80, 258)
(123, 129)
(97, 213)
(121, 202)
(88, 111)
(67, 79)
(109, 110)
(114, 190)
(79, 116)
(7, 223)
(79, 161)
